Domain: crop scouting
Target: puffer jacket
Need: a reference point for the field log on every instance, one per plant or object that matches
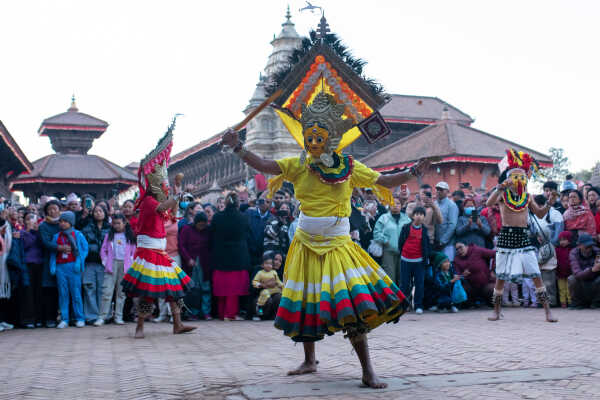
(95, 237)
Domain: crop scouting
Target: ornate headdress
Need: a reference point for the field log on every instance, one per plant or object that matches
(152, 172)
(326, 113)
(523, 163)
(518, 160)
(323, 79)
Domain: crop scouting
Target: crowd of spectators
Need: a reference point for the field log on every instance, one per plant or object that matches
(436, 245)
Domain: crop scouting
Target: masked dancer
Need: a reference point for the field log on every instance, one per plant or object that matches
(153, 274)
(516, 257)
(331, 283)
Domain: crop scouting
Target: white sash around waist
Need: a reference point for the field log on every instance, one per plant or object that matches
(324, 226)
(148, 242)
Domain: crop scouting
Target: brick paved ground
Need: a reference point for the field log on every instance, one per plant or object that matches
(219, 359)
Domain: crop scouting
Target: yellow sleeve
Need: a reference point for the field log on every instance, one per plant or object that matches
(257, 278)
(363, 176)
(290, 168)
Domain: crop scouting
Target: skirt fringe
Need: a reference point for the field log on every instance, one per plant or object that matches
(339, 290)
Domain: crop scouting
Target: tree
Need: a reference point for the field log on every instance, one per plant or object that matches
(560, 166)
(585, 175)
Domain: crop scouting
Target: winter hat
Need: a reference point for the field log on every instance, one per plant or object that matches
(565, 235)
(568, 185)
(437, 259)
(72, 198)
(68, 216)
(585, 239)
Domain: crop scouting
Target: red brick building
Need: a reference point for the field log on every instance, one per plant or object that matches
(467, 155)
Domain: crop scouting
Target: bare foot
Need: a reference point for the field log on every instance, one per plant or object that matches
(495, 316)
(183, 329)
(550, 318)
(304, 368)
(372, 381)
(139, 333)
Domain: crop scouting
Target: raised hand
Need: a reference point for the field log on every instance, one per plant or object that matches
(230, 138)
(422, 166)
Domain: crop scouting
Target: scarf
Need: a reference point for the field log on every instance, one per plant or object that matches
(51, 220)
(71, 236)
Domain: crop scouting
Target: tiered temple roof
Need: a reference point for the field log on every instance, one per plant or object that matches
(71, 169)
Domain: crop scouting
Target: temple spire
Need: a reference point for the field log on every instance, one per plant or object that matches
(73, 105)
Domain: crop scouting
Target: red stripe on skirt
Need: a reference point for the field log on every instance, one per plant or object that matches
(154, 288)
(156, 257)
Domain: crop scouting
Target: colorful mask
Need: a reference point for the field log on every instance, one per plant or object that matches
(315, 140)
(323, 124)
(517, 180)
(158, 181)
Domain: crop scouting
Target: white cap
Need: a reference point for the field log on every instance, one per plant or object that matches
(442, 185)
(72, 198)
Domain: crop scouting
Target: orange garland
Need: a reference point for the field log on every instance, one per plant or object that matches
(360, 106)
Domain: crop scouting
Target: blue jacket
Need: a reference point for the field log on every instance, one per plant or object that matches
(82, 246)
(257, 230)
(444, 232)
(444, 287)
(468, 232)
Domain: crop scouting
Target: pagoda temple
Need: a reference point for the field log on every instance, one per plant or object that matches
(71, 169)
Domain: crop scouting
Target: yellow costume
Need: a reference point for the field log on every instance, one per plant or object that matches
(261, 277)
(331, 283)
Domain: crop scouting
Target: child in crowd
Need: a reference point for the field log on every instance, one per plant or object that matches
(67, 263)
(414, 248)
(529, 298)
(512, 289)
(118, 249)
(563, 270)
(444, 280)
(267, 280)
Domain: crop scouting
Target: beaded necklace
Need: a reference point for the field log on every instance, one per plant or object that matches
(517, 205)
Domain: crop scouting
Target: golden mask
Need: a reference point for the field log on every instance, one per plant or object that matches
(315, 140)
(158, 181)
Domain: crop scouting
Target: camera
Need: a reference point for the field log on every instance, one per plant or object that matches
(428, 194)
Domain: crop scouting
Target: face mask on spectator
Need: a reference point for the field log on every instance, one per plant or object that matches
(183, 204)
(469, 210)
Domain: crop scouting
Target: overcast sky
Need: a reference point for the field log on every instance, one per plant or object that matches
(528, 71)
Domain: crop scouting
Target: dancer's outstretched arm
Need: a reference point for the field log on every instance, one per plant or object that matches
(231, 139)
(393, 180)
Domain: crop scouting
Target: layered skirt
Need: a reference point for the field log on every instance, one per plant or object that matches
(516, 257)
(154, 274)
(332, 284)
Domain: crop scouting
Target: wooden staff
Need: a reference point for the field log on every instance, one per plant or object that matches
(258, 109)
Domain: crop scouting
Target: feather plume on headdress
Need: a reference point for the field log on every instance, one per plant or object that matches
(518, 160)
(159, 157)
